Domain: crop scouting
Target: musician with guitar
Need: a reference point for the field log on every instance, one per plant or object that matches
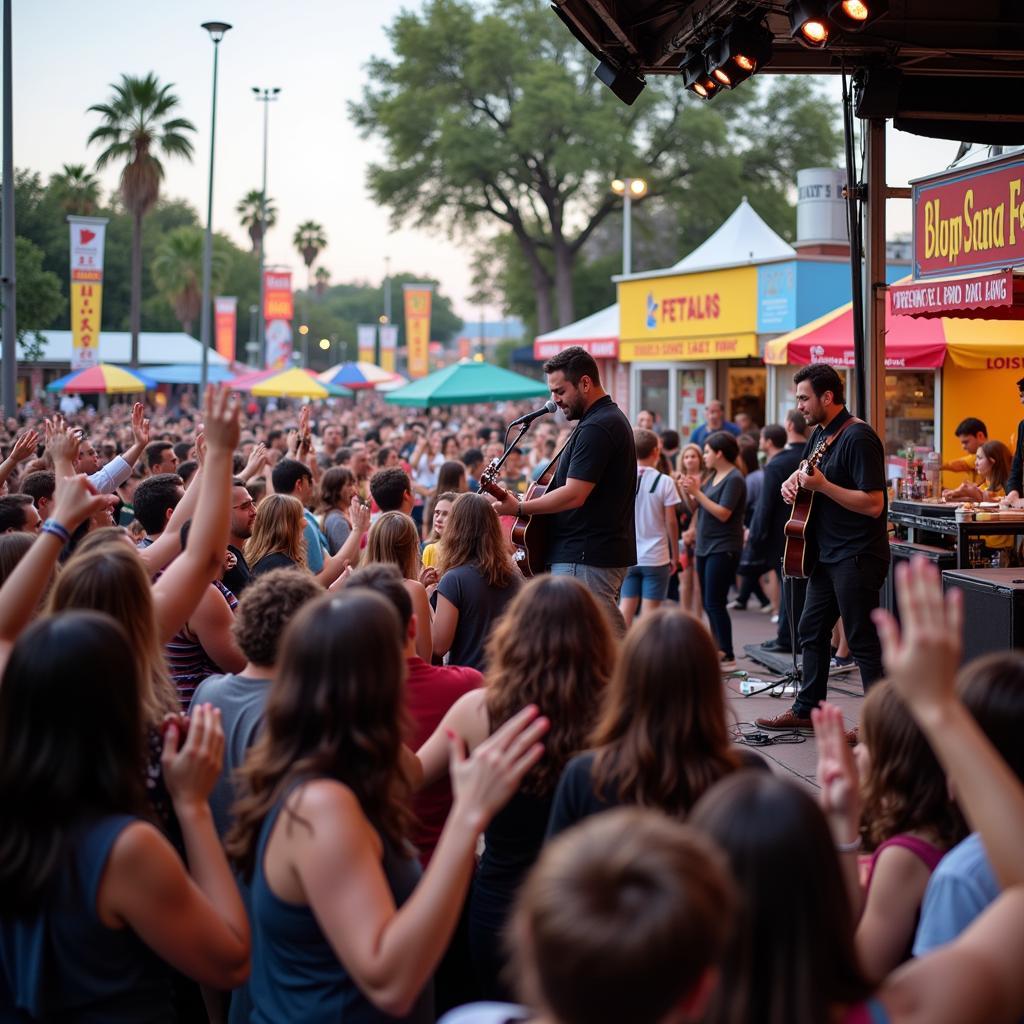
(587, 504)
(844, 550)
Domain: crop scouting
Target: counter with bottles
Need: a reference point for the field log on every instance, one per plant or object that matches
(933, 523)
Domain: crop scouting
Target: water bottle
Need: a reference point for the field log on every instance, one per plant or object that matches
(933, 474)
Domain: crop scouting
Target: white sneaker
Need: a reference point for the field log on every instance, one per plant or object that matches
(775, 619)
(837, 665)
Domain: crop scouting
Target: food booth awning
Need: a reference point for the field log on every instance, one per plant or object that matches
(597, 333)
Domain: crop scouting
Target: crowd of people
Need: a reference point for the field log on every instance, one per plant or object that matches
(286, 734)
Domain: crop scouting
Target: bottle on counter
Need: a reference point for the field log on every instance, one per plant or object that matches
(933, 474)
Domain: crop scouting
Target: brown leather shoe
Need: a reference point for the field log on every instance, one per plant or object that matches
(788, 721)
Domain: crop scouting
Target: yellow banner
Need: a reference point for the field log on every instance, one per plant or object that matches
(698, 306)
(417, 328)
(731, 346)
(388, 347)
(366, 342)
(87, 238)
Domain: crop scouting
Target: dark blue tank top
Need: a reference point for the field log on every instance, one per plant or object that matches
(296, 975)
(62, 964)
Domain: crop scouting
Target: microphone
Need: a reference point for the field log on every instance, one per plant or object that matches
(549, 406)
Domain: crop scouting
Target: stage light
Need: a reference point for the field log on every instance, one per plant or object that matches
(743, 48)
(694, 70)
(853, 15)
(623, 82)
(807, 23)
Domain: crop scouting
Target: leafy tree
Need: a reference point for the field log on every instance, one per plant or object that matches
(493, 123)
(251, 213)
(76, 189)
(177, 270)
(310, 240)
(322, 277)
(138, 124)
(38, 299)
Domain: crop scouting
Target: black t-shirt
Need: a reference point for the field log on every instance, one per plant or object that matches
(237, 579)
(275, 560)
(855, 461)
(480, 606)
(602, 531)
(713, 536)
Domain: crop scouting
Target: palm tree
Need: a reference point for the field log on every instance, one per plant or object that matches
(310, 240)
(323, 279)
(250, 213)
(177, 270)
(76, 190)
(138, 124)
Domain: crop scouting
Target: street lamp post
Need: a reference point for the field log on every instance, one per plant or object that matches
(629, 189)
(10, 346)
(217, 30)
(266, 97)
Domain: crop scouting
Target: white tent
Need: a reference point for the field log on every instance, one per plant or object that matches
(597, 333)
(743, 238)
(155, 348)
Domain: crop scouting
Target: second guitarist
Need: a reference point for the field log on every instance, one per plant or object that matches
(849, 528)
(592, 533)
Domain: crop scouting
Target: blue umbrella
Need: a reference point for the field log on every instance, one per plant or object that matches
(188, 373)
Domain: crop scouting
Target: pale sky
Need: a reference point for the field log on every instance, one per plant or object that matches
(66, 54)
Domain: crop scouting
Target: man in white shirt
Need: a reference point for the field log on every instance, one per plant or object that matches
(657, 530)
(105, 479)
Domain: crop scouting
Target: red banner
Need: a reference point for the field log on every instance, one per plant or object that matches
(278, 311)
(970, 219)
(953, 297)
(225, 312)
(599, 348)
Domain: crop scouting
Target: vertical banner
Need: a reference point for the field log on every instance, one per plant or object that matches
(417, 328)
(366, 342)
(388, 345)
(87, 238)
(225, 314)
(278, 312)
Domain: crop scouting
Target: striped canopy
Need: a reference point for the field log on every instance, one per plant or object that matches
(103, 379)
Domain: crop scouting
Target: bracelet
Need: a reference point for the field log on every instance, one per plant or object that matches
(52, 526)
(851, 847)
(519, 508)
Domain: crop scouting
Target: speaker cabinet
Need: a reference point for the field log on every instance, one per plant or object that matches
(993, 608)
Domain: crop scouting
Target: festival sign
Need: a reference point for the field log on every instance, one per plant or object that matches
(969, 219)
(934, 298)
(225, 316)
(388, 346)
(366, 342)
(685, 316)
(278, 313)
(417, 328)
(87, 237)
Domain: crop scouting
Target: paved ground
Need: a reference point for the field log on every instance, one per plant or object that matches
(795, 759)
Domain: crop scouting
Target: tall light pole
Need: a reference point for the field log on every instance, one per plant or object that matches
(629, 189)
(266, 97)
(217, 30)
(10, 341)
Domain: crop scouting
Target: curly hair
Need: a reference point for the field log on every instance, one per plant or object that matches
(472, 536)
(280, 526)
(905, 788)
(553, 647)
(662, 740)
(335, 710)
(393, 539)
(269, 603)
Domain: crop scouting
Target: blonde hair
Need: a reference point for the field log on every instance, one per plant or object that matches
(279, 528)
(472, 536)
(394, 540)
(111, 578)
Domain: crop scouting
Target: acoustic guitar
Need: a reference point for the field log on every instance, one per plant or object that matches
(529, 534)
(800, 554)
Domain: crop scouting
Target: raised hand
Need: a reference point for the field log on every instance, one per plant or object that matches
(359, 515)
(24, 447)
(63, 442)
(837, 774)
(257, 460)
(921, 661)
(140, 425)
(191, 771)
(429, 576)
(484, 782)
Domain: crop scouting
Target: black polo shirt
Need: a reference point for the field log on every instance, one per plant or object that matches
(602, 531)
(855, 461)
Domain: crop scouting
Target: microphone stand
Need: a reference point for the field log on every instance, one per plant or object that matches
(496, 464)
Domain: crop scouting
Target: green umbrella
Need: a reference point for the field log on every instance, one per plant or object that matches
(464, 383)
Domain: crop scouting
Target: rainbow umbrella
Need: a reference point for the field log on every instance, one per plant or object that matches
(103, 379)
(296, 383)
(356, 376)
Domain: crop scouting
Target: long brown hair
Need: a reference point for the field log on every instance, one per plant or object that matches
(999, 455)
(703, 472)
(428, 517)
(111, 578)
(472, 536)
(905, 788)
(332, 486)
(394, 540)
(279, 527)
(662, 739)
(335, 710)
(553, 647)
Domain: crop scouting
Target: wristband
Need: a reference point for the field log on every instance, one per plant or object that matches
(851, 847)
(519, 508)
(52, 526)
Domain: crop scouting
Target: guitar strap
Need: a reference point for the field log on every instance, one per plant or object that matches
(826, 445)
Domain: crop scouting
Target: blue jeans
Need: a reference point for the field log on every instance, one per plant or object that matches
(647, 581)
(602, 582)
(716, 574)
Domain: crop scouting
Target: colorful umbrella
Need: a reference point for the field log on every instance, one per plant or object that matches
(296, 383)
(103, 379)
(466, 382)
(189, 373)
(356, 376)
